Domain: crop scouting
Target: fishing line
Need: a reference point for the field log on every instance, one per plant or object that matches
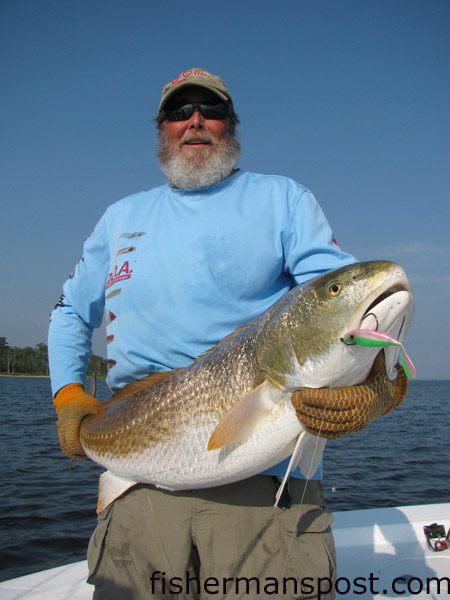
(295, 531)
(307, 480)
(152, 510)
(409, 371)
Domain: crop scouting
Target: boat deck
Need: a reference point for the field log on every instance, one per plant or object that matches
(383, 550)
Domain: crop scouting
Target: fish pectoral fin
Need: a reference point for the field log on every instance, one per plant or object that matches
(242, 420)
(310, 450)
(111, 487)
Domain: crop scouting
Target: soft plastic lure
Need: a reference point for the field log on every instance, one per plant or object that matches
(380, 339)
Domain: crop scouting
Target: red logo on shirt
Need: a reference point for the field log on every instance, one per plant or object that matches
(119, 274)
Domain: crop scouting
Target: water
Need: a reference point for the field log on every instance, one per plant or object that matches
(48, 509)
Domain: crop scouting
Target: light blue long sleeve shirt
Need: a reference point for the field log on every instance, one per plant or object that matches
(175, 271)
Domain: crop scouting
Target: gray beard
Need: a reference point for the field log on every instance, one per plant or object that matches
(208, 166)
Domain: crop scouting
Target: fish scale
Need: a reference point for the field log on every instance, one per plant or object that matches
(205, 391)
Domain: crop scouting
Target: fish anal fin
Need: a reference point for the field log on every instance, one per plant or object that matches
(241, 421)
(310, 451)
(293, 464)
(110, 487)
(307, 454)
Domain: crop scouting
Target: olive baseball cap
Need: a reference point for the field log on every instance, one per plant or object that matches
(199, 77)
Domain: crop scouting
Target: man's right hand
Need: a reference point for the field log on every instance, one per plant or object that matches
(72, 405)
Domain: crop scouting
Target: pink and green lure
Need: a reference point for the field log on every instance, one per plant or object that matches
(380, 339)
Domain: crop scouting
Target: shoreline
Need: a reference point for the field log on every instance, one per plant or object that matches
(24, 375)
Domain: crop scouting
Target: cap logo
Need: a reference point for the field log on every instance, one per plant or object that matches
(186, 74)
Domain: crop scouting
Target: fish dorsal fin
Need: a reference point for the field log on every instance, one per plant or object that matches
(225, 340)
(93, 385)
(111, 487)
(243, 419)
(141, 384)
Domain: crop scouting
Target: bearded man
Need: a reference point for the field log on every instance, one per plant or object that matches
(174, 270)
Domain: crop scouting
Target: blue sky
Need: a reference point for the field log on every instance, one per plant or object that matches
(351, 98)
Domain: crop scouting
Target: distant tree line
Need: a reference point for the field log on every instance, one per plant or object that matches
(34, 361)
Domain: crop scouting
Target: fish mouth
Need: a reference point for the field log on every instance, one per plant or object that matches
(389, 309)
(387, 306)
(399, 287)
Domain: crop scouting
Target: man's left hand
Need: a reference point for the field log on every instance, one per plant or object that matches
(334, 412)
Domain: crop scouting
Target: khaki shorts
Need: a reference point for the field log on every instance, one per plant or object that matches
(222, 542)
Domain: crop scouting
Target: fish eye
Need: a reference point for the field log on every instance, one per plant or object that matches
(335, 288)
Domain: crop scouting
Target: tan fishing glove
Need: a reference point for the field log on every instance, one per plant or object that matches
(335, 412)
(72, 405)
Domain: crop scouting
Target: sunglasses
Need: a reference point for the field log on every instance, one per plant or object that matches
(208, 111)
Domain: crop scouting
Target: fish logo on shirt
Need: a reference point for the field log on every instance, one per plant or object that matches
(130, 236)
(125, 250)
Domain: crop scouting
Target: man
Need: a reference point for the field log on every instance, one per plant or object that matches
(175, 270)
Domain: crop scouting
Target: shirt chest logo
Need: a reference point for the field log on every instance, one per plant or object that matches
(119, 274)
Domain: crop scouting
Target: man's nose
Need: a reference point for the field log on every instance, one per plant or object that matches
(196, 121)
